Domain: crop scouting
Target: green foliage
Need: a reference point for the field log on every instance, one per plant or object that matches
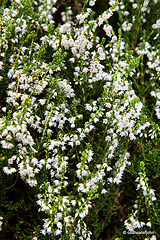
(79, 119)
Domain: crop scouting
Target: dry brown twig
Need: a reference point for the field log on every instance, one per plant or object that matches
(77, 6)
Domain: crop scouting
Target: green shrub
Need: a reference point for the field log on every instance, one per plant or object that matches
(79, 124)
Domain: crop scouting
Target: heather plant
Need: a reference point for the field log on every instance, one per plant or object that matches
(79, 124)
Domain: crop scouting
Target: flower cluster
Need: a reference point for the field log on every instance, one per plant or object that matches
(156, 94)
(73, 111)
(1, 222)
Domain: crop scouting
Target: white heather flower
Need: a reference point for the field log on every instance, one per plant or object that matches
(73, 202)
(17, 29)
(110, 180)
(42, 101)
(154, 198)
(5, 132)
(117, 181)
(103, 191)
(126, 13)
(1, 64)
(111, 2)
(96, 120)
(108, 105)
(108, 138)
(9, 171)
(49, 189)
(142, 224)
(82, 135)
(108, 30)
(86, 130)
(106, 16)
(92, 3)
(109, 169)
(148, 224)
(1, 222)
(88, 107)
(157, 24)
(59, 225)
(49, 230)
(134, 5)
(132, 136)
(105, 121)
(153, 237)
(126, 26)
